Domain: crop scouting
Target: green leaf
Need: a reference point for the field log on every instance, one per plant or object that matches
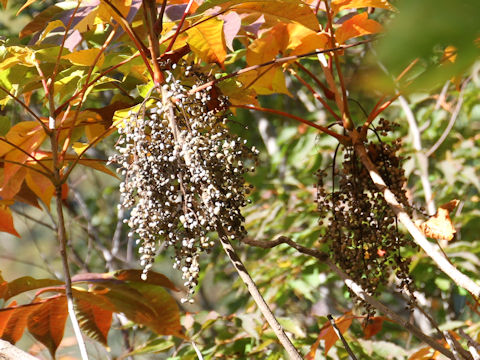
(154, 346)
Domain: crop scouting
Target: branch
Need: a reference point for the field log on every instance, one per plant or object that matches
(339, 334)
(257, 297)
(11, 352)
(460, 279)
(354, 287)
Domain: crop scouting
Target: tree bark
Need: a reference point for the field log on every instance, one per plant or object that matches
(11, 352)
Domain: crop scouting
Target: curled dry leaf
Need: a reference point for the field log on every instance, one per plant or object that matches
(440, 225)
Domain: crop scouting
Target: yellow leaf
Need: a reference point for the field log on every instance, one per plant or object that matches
(85, 57)
(21, 55)
(358, 25)
(207, 41)
(266, 81)
(51, 25)
(338, 5)
(41, 186)
(79, 147)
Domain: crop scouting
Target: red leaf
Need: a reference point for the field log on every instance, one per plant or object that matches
(47, 322)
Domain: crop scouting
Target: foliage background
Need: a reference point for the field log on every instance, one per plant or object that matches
(224, 322)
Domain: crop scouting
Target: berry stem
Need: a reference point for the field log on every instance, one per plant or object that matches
(442, 262)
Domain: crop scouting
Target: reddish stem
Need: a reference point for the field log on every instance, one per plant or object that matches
(182, 20)
(341, 138)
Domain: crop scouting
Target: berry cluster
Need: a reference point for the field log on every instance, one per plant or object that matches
(362, 231)
(184, 172)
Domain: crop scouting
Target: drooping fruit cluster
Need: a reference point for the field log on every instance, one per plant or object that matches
(361, 227)
(183, 171)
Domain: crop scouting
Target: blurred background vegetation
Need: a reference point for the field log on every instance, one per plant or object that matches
(224, 322)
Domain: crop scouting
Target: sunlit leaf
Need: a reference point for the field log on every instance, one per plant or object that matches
(144, 302)
(440, 225)
(85, 57)
(79, 147)
(207, 41)
(280, 10)
(47, 322)
(5, 317)
(358, 25)
(338, 5)
(51, 26)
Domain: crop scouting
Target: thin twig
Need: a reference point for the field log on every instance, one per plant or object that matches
(473, 346)
(451, 122)
(340, 336)
(275, 61)
(341, 138)
(35, 116)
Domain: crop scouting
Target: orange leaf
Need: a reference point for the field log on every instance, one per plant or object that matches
(373, 326)
(47, 322)
(273, 10)
(284, 39)
(40, 185)
(13, 186)
(440, 225)
(5, 317)
(6, 220)
(338, 5)
(17, 321)
(358, 25)
(423, 354)
(94, 320)
(328, 334)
